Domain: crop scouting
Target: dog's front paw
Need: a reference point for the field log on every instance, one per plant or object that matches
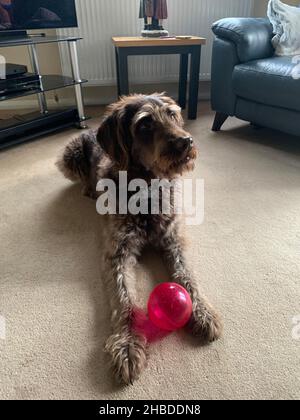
(205, 323)
(128, 354)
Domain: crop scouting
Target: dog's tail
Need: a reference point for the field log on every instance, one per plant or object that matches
(80, 157)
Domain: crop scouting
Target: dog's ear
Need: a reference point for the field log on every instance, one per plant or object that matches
(113, 137)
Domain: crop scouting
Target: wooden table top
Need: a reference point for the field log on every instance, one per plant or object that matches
(135, 41)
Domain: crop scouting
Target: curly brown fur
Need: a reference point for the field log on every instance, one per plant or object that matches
(145, 136)
(80, 160)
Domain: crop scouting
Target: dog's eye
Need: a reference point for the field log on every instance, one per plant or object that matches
(146, 124)
(173, 115)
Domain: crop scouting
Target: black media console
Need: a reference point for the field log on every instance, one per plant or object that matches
(21, 128)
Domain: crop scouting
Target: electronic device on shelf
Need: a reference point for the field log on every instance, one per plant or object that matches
(13, 70)
(19, 83)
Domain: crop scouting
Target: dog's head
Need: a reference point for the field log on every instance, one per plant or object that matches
(147, 131)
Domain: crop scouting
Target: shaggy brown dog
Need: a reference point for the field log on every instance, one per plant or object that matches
(144, 136)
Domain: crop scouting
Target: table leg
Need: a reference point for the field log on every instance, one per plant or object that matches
(117, 69)
(184, 61)
(122, 72)
(194, 82)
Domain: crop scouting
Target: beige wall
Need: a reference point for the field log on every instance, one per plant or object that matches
(260, 6)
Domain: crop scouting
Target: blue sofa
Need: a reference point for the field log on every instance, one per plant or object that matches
(249, 81)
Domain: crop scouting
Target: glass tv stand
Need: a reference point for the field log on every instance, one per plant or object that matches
(21, 128)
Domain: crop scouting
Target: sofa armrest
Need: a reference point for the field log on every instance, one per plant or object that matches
(251, 36)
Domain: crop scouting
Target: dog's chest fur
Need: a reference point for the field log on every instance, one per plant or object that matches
(149, 226)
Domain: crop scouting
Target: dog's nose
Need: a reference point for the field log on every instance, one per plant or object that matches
(183, 143)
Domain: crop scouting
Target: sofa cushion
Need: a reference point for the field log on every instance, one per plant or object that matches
(271, 81)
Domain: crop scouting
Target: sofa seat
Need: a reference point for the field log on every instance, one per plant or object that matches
(268, 81)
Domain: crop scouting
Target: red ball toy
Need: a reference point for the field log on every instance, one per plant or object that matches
(169, 306)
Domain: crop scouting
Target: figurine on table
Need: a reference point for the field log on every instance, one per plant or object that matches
(154, 12)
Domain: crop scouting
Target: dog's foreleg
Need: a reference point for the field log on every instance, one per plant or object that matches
(205, 321)
(127, 348)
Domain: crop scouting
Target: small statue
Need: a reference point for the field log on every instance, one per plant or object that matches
(154, 12)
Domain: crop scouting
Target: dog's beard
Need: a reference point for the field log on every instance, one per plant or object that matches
(184, 163)
(170, 166)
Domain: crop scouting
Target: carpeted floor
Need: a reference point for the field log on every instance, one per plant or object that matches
(246, 256)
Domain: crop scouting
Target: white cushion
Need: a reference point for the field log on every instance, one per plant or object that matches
(286, 25)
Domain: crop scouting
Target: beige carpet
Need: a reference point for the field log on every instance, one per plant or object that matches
(246, 256)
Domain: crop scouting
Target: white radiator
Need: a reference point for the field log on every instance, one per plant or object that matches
(99, 20)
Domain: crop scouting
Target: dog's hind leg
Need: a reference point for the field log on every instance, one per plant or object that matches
(127, 348)
(205, 322)
(79, 162)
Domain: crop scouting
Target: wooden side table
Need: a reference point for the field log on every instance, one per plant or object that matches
(127, 46)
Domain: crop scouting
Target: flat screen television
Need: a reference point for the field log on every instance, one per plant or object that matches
(22, 15)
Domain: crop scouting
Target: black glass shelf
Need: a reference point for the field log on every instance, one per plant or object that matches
(34, 39)
(21, 128)
(48, 83)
